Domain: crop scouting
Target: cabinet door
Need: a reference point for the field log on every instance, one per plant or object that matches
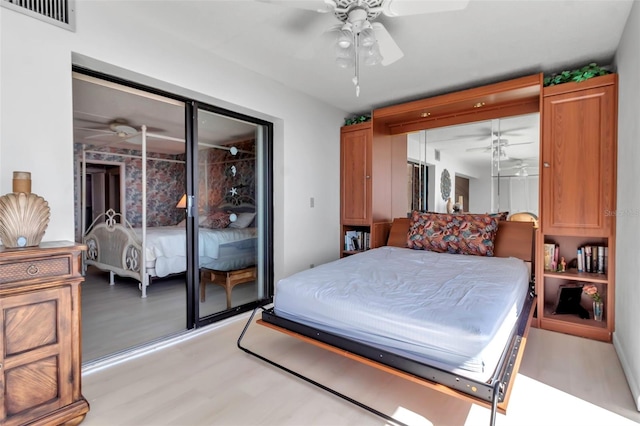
(36, 352)
(355, 153)
(578, 159)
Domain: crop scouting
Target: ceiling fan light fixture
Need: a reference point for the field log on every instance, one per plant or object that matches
(372, 55)
(345, 38)
(500, 154)
(367, 37)
(122, 130)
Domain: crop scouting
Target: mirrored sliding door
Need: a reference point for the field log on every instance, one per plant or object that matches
(229, 204)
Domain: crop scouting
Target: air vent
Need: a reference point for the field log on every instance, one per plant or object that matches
(56, 12)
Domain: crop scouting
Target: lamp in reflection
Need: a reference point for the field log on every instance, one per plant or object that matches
(182, 204)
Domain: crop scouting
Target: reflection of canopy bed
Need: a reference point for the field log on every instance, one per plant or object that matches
(451, 322)
(114, 245)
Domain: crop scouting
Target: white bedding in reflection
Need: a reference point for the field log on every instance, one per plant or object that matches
(452, 311)
(166, 247)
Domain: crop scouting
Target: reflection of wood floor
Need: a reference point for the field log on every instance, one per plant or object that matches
(116, 318)
(207, 380)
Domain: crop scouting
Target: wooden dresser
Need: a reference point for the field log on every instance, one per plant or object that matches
(40, 361)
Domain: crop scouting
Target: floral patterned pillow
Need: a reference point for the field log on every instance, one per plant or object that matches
(216, 220)
(471, 234)
(500, 215)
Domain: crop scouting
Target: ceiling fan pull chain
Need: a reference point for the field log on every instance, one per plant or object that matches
(356, 78)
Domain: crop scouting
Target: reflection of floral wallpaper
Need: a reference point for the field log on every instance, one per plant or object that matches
(216, 184)
(166, 181)
(165, 185)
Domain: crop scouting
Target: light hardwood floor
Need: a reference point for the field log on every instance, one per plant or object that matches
(115, 318)
(207, 380)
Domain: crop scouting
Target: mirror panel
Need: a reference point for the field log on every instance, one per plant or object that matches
(485, 166)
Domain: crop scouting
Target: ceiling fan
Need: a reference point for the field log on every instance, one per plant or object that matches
(521, 167)
(119, 130)
(359, 38)
(497, 144)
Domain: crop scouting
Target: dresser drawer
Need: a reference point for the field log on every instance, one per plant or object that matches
(35, 269)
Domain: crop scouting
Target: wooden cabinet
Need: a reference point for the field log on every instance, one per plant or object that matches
(578, 196)
(40, 358)
(370, 169)
(355, 172)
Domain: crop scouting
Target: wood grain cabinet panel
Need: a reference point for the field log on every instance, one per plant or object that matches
(40, 357)
(355, 165)
(578, 157)
(578, 198)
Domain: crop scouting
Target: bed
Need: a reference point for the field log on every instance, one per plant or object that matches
(453, 322)
(114, 245)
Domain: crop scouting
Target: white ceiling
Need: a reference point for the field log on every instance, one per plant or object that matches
(486, 42)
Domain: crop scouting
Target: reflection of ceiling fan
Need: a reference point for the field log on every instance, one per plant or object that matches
(498, 144)
(361, 39)
(116, 131)
(521, 167)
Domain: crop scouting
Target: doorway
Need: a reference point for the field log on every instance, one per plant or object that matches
(461, 193)
(172, 168)
(104, 189)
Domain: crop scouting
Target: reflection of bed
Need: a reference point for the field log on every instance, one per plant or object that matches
(452, 322)
(114, 246)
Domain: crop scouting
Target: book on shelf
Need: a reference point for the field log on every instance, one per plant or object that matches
(580, 261)
(356, 240)
(549, 256)
(587, 258)
(593, 259)
(600, 260)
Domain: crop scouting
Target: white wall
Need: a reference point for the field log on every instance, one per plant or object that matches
(36, 118)
(627, 336)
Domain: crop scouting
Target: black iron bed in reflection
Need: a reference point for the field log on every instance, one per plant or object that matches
(490, 388)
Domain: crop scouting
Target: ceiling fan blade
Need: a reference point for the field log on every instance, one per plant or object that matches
(102, 135)
(520, 143)
(388, 48)
(321, 6)
(417, 7)
(90, 129)
(479, 148)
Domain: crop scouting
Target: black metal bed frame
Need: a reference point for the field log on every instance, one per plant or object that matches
(491, 392)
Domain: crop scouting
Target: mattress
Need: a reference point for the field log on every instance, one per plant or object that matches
(166, 248)
(451, 311)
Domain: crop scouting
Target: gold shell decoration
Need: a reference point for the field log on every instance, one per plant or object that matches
(23, 219)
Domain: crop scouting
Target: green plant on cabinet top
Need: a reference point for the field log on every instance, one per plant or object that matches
(356, 119)
(577, 75)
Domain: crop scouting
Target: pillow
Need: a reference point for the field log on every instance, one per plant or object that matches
(472, 234)
(217, 220)
(499, 215)
(243, 220)
(201, 220)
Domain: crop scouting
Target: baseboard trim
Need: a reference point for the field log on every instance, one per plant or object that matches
(137, 352)
(631, 380)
